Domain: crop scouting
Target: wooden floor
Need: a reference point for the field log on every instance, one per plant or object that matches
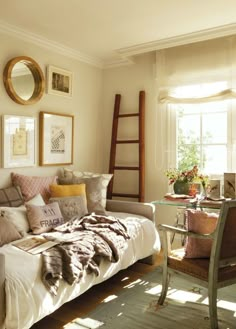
(83, 304)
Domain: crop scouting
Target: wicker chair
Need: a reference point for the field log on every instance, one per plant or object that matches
(217, 271)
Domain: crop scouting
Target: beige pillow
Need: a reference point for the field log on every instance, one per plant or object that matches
(72, 206)
(44, 218)
(94, 193)
(70, 174)
(8, 232)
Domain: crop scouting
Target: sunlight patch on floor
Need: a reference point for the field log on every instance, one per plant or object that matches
(183, 296)
(154, 290)
(84, 323)
(109, 298)
(223, 304)
(132, 284)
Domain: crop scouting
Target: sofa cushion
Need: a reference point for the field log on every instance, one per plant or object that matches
(32, 185)
(71, 174)
(71, 206)
(94, 193)
(8, 232)
(58, 191)
(44, 218)
(11, 197)
(199, 222)
(17, 215)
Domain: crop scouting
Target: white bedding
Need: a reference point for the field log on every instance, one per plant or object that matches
(27, 299)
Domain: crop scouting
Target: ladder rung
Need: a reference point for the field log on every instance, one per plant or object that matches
(126, 168)
(127, 141)
(126, 195)
(128, 115)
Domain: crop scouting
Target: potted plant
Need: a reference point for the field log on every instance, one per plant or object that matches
(186, 182)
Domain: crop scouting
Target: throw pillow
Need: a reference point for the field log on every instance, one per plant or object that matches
(72, 206)
(44, 218)
(199, 222)
(11, 197)
(68, 173)
(94, 188)
(8, 232)
(32, 185)
(58, 191)
(17, 215)
(37, 200)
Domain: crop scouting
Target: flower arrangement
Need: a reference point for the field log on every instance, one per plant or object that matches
(187, 176)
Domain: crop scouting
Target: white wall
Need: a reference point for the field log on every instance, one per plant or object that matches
(92, 105)
(85, 105)
(128, 81)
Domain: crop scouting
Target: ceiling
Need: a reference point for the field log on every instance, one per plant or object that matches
(111, 32)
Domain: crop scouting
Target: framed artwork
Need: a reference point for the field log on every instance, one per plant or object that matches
(229, 185)
(59, 81)
(56, 141)
(18, 141)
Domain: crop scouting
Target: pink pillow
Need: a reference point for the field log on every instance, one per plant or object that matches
(32, 185)
(199, 222)
(44, 218)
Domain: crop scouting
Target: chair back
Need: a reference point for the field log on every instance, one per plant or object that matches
(224, 246)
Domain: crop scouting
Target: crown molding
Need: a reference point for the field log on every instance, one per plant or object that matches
(124, 55)
(19, 33)
(221, 31)
(118, 62)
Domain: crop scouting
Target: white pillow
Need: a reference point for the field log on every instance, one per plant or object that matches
(37, 200)
(17, 215)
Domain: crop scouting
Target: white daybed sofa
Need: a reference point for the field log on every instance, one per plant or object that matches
(24, 299)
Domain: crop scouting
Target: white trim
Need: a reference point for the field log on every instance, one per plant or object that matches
(119, 62)
(217, 32)
(49, 44)
(123, 53)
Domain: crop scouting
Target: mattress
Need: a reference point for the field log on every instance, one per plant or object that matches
(28, 300)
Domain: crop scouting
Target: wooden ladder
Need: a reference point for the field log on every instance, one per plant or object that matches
(140, 141)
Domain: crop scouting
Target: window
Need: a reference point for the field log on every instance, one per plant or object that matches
(201, 134)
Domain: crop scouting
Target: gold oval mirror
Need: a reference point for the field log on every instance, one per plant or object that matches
(24, 80)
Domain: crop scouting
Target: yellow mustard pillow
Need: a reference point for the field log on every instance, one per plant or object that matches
(67, 190)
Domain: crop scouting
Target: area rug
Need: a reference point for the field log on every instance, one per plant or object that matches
(135, 307)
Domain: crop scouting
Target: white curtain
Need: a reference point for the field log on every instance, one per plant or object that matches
(197, 72)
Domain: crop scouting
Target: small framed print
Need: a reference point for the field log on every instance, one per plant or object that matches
(59, 81)
(229, 185)
(55, 139)
(18, 141)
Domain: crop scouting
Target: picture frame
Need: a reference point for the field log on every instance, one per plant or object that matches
(56, 139)
(230, 185)
(59, 81)
(18, 134)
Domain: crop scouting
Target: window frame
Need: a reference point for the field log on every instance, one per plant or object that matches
(231, 138)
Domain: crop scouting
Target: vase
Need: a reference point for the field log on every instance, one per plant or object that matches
(181, 187)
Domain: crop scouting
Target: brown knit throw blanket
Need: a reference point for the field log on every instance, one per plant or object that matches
(83, 241)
